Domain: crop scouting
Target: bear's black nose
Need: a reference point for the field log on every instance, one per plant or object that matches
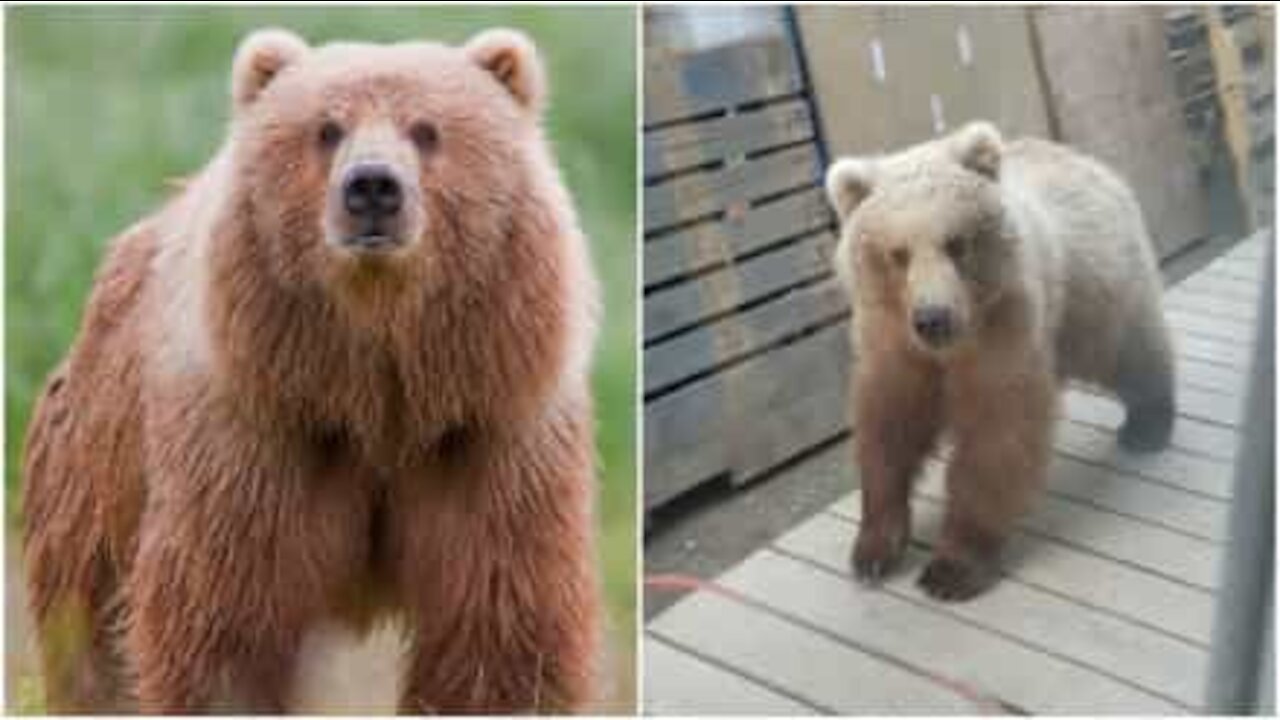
(933, 324)
(371, 191)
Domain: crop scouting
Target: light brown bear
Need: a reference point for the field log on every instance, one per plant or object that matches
(343, 374)
(983, 275)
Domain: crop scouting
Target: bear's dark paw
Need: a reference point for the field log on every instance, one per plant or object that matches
(952, 580)
(877, 554)
(1147, 430)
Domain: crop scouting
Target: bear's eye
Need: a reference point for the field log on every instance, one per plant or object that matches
(425, 135)
(330, 134)
(956, 247)
(901, 256)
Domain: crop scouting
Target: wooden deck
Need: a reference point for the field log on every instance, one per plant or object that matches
(1107, 606)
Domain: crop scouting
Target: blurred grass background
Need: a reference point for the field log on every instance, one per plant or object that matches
(105, 104)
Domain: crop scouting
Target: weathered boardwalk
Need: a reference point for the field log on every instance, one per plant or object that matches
(1106, 607)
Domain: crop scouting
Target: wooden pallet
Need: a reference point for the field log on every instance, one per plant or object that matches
(741, 313)
(1106, 607)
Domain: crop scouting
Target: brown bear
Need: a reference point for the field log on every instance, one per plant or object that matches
(983, 275)
(342, 374)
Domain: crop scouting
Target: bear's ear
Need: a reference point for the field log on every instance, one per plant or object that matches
(260, 57)
(978, 146)
(849, 182)
(511, 57)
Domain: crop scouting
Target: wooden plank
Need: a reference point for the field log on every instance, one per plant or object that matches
(683, 439)
(1132, 495)
(1154, 549)
(739, 335)
(711, 243)
(681, 147)
(1206, 326)
(1242, 270)
(1253, 250)
(1204, 476)
(822, 671)
(1211, 305)
(1192, 404)
(1209, 278)
(1212, 377)
(1250, 249)
(1247, 272)
(1256, 254)
(1084, 577)
(1232, 106)
(1248, 256)
(1213, 407)
(1226, 354)
(921, 636)
(1189, 433)
(1230, 289)
(1253, 247)
(796, 420)
(1155, 661)
(677, 683)
(680, 306)
(1128, 494)
(1238, 271)
(1247, 252)
(748, 418)
(683, 84)
(732, 187)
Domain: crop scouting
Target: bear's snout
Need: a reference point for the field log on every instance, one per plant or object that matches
(934, 324)
(372, 196)
(371, 190)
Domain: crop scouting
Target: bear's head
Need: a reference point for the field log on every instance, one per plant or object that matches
(412, 160)
(926, 233)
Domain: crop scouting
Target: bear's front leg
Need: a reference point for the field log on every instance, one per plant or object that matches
(1002, 420)
(242, 546)
(497, 568)
(897, 414)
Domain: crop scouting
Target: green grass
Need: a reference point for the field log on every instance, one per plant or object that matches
(105, 104)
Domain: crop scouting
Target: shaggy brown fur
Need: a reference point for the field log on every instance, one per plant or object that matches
(260, 428)
(1037, 264)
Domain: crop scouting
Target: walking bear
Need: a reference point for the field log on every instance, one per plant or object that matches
(983, 275)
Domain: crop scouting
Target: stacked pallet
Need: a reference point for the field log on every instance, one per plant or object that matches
(1223, 67)
(745, 330)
